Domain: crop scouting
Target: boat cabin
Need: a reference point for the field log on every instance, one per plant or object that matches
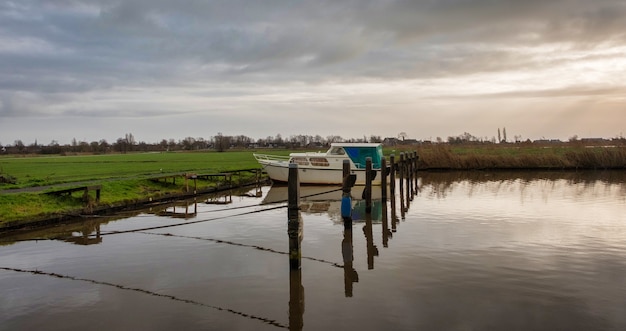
(358, 152)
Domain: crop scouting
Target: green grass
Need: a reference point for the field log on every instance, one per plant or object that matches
(123, 178)
(47, 170)
(25, 206)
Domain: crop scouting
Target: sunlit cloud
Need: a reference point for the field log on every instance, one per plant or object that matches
(350, 68)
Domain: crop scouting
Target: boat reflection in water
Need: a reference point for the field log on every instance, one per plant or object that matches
(327, 199)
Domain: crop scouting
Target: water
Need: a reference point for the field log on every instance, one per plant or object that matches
(474, 251)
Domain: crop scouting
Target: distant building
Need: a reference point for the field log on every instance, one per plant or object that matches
(390, 141)
(593, 141)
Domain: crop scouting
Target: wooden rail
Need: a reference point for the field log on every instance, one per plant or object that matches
(85, 189)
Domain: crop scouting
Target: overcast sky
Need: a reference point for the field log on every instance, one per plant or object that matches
(159, 69)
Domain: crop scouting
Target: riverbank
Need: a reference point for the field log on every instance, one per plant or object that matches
(128, 180)
(73, 209)
(39, 206)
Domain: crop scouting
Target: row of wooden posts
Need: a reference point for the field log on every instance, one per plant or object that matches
(405, 168)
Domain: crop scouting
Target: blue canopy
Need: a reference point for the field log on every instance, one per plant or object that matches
(359, 154)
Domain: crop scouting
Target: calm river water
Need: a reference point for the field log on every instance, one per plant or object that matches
(472, 251)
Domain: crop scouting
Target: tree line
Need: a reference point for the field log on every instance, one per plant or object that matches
(219, 142)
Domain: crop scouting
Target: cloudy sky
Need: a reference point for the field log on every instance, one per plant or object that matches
(158, 69)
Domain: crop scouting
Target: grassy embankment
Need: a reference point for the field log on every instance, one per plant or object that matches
(124, 177)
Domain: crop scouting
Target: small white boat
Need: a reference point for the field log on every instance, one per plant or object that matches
(323, 168)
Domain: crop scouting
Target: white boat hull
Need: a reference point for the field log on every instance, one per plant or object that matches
(279, 172)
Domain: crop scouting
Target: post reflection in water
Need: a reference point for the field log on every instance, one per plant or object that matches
(385, 232)
(394, 216)
(349, 273)
(372, 250)
(296, 290)
(86, 237)
(296, 299)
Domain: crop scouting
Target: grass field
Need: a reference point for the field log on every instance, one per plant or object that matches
(124, 177)
(47, 170)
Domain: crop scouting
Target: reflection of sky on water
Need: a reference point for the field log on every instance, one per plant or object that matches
(546, 211)
(474, 251)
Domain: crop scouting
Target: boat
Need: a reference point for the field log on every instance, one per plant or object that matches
(325, 168)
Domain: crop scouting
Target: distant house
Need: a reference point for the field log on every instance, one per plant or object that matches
(409, 142)
(390, 141)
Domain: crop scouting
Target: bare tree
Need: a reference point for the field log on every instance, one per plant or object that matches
(222, 142)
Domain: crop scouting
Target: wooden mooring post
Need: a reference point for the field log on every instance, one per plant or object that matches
(417, 157)
(368, 185)
(294, 219)
(346, 196)
(407, 178)
(392, 175)
(401, 171)
(383, 179)
(350, 276)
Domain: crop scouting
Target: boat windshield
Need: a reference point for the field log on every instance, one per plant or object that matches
(359, 154)
(337, 151)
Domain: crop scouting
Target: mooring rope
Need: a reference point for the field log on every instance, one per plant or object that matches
(191, 222)
(167, 296)
(221, 241)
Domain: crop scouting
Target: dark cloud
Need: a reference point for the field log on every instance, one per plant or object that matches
(77, 57)
(109, 42)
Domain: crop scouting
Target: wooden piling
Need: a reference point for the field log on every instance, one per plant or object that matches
(294, 221)
(346, 195)
(401, 172)
(392, 175)
(401, 169)
(407, 178)
(410, 173)
(368, 185)
(383, 179)
(417, 157)
(293, 188)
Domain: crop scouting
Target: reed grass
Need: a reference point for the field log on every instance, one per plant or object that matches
(446, 157)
